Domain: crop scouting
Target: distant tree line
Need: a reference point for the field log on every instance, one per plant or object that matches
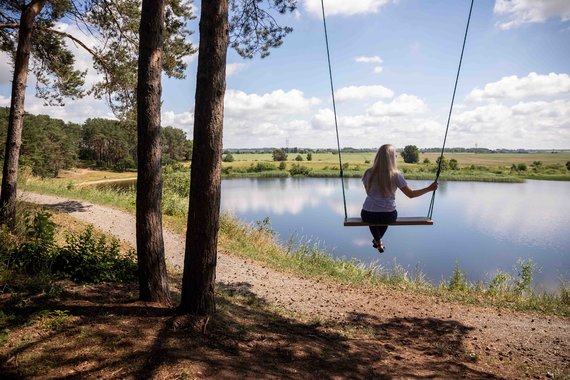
(270, 150)
(50, 145)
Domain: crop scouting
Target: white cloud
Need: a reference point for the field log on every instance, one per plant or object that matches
(364, 59)
(234, 68)
(513, 87)
(4, 101)
(363, 92)
(5, 69)
(189, 59)
(76, 111)
(343, 7)
(184, 121)
(369, 129)
(378, 70)
(268, 119)
(402, 105)
(519, 12)
(274, 104)
(253, 120)
(323, 119)
(538, 124)
(256, 120)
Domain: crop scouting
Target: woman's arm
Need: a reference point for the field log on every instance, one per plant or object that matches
(417, 193)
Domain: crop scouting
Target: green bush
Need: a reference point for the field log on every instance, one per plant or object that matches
(411, 154)
(453, 164)
(177, 182)
(34, 255)
(499, 283)
(522, 167)
(32, 250)
(298, 169)
(87, 259)
(536, 165)
(444, 163)
(261, 167)
(525, 271)
(279, 155)
(458, 280)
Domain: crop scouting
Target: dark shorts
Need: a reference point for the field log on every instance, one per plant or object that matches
(378, 217)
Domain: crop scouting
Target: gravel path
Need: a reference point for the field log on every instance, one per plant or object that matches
(505, 342)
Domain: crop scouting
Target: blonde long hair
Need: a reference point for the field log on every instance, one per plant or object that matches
(383, 170)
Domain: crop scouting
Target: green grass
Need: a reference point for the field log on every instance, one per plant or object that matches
(69, 189)
(308, 259)
(487, 167)
(305, 258)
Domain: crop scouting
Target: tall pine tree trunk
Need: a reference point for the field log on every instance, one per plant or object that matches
(15, 122)
(153, 281)
(204, 210)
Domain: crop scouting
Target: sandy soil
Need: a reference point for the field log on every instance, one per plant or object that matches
(502, 343)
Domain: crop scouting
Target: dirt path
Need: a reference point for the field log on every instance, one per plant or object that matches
(500, 342)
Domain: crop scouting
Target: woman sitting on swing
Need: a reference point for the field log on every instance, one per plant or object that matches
(381, 182)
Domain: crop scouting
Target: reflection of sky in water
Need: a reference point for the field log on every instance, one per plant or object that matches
(484, 226)
(535, 213)
(274, 197)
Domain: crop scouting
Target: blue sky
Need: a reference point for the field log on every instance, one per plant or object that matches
(394, 65)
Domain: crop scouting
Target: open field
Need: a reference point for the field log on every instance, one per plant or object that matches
(464, 159)
(82, 175)
(488, 167)
(509, 167)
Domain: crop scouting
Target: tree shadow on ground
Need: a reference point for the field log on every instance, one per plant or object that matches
(246, 338)
(67, 206)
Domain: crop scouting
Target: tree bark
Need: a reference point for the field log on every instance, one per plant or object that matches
(8, 191)
(199, 276)
(153, 280)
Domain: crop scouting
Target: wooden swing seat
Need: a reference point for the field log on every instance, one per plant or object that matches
(402, 221)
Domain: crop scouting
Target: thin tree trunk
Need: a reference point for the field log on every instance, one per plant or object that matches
(153, 280)
(204, 210)
(15, 122)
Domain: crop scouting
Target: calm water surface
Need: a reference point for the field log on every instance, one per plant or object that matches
(484, 226)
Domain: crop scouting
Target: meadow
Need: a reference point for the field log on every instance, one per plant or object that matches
(500, 167)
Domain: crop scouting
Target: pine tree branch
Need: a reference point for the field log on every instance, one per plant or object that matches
(66, 35)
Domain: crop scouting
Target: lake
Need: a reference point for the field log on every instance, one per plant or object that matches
(484, 227)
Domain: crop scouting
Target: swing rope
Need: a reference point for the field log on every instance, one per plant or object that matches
(334, 111)
(432, 202)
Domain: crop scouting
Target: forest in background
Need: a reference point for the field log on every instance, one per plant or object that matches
(50, 145)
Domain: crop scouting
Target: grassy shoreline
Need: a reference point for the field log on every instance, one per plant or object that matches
(496, 167)
(304, 258)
